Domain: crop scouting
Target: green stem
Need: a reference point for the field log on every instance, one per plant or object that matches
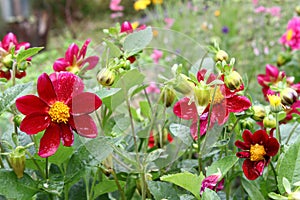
(46, 169)
(86, 180)
(274, 171)
(199, 147)
(91, 196)
(123, 197)
(292, 132)
(36, 164)
(277, 129)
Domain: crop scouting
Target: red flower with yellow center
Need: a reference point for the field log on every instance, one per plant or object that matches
(258, 148)
(61, 108)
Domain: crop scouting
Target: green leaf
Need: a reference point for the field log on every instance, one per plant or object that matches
(106, 186)
(162, 190)
(24, 54)
(252, 190)
(10, 95)
(224, 164)
(273, 195)
(113, 50)
(186, 180)
(62, 154)
(137, 41)
(286, 184)
(289, 166)
(145, 109)
(13, 188)
(182, 132)
(107, 92)
(209, 194)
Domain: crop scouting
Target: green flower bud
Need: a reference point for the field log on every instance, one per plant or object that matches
(221, 55)
(246, 124)
(269, 121)
(8, 61)
(202, 95)
(17, 120)
(183, 85)
(233, 80)
(17, 161)
(259, 112)
(283, 58)
(23, 65)
(167, 96)
(288, 96)
(106, 77)
(297, 10)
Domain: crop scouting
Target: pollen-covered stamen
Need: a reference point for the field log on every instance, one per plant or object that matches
(257, 152)
(59, 112)
(217, 97)
(289, 34)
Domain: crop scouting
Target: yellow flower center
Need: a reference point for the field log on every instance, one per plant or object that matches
(218, 97)
(73, 69)
(59, 112)
(274, 100)
(257, 152)
(289, 34)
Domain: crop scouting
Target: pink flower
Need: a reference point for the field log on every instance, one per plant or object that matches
(152, 88)
(116, 15)
(114, 5)
(255, 2)
(291, 37)
(75, 60)
(212, 182)
(156, 55)
(260, 9)
(274, 11)
(169, 22)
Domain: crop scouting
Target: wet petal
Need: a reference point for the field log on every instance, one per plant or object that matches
(50, 141)
(66, 85)
(45, 89)
(84, 125)
(260, 137)
(92, 61)
(242, 145)
(60, 65)
(185, 110)
(84, 103)
(35, 122)
(84, 48)
(238, 103)
(71, 52)
(67, 135)
(249, 169)
(272, 146)
(247, 136)
(243, 154)
(30, 104)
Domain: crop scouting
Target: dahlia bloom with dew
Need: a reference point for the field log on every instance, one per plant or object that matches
(258, 148)
(75, 60)
(225, 101)
(60, 108)
(291, 37)
(6, 45)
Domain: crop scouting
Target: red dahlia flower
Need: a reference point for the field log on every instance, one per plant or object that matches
(6, 45)
(225, 101)
(258, 148)
(61, 108)
(212, 182)
(75, 60)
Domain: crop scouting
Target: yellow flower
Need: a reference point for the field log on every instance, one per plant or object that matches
(275, 103)
(141, 4)
(135, 25)
(289, 34)
(217, 13)
(157, 1)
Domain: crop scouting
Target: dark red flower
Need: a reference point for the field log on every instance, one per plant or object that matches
(155, 141)
(75, 60)
(258, 148)
(212, 182)
(61, 108)
(225, 101)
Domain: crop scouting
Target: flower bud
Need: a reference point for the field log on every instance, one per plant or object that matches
(297, 9)
(131, 59)
(269, 121)
(288, 96)
(126, 27)
(275, 103)
(167, 96)
(221, 55)
(202, 95)
(8, 61)
(183, 85)
(17, 120)
(23, 65)
(233, 80)
(283, 58)
(246, 124)
(17, 161)
(259, 112)
(106, 77)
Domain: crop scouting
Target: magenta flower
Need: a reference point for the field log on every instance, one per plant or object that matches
(274, 11)
(169, 22)
(61, 108)
(6, 45)
(152, 88)
(258, 148)
(212, 182)
(115, 5)
(291, 37)
(156, 55)
(75, 60)
(225, 102)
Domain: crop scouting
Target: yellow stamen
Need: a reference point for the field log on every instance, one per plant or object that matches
(218, 98)
(274, 100)
(59, 112)
(289, 34)
(257, 152)
(73, 69)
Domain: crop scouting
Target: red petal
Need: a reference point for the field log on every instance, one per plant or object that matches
(26, 45)
(272, 71)
(247, 136)
(250, 171)
(260, 137)
(184, 110)
(243, 154)
(71, 52)
(8, 39)
(50, 141)
(30, 104)
(272, 146)
(66, 85)
(237, 103)
(66, 135)
(20, 74)
(84, 48)
(84, 103)
(45, 89)
(60, 65)
(242, 145)
(219, 113)
(92, 61)
(84, 125)
(35, 122)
